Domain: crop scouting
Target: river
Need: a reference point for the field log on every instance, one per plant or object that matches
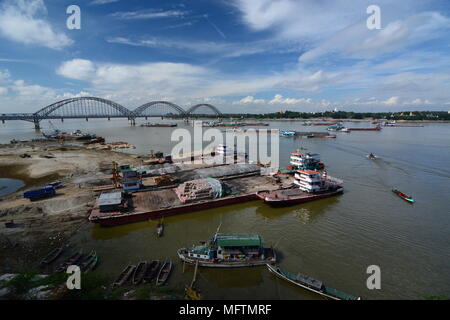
(333, 240)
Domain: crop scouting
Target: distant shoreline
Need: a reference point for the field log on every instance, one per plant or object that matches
(341, 120)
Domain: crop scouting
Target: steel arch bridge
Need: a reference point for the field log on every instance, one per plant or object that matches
(83, 107)
(203, 106)
(93, 107)
(157, 108)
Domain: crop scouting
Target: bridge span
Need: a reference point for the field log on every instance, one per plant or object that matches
(93, 107)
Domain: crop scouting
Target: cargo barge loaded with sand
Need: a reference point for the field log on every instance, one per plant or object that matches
(117, 207)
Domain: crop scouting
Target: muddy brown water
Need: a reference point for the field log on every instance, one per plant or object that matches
(333, 240)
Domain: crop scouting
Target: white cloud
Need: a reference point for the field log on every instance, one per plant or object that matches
(79, 69)
(357, 41)
(392, 101)
(278, 99)
(249, 100)
(100, 2)
(22, 21)
(4, 75)
(3, 90)
(148, 14)
(220, 49)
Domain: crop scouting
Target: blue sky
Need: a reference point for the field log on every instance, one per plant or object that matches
(240, 55)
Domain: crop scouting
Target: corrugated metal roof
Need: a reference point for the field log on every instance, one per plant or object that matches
(238, 240)
(199, 250)
(113, 198)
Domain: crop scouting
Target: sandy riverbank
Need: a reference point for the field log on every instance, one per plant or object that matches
(48, 223)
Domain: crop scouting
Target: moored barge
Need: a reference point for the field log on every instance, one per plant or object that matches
(156, 204)
(377, 128)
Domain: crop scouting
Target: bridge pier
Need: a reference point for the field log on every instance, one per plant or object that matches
(62, 119)
(87, 119)
(133, 121)
(3, 121)
(37, 124)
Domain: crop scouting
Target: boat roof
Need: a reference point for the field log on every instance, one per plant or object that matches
(238, 240)
(199, 249)
(112, 198)
(308, 172)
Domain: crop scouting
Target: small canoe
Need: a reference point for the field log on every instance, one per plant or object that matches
(404, 196)
(124, 276)
(73, 259)
(49, 258)
(164, 273)
(160, 229)
(152, 271)
(139, 272)
(90, 262)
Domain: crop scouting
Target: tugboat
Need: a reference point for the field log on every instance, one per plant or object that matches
(309, 186)
(306, 161)
(229, 251)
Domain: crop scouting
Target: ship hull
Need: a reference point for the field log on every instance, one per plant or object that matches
(116, 218)
(226, 264)
(277, 202)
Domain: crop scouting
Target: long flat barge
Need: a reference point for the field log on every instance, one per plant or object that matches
(162, 203)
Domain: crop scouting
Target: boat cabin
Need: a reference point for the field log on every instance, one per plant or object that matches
(309, 161)
(238, 246)
(112, 201)
(310, 181)
(229, 247)
(131, 180)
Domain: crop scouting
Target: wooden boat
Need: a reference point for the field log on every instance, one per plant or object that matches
(160, 229)
(73, 259)
(139, 272)
(310, 284)
(124, 276)
(50, 257)
(404, 196)
(152, 271)
(164, 273)
(90, 262)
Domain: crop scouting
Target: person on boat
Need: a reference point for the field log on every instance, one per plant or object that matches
(371, 156)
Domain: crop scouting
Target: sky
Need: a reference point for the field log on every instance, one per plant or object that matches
(247, 56)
